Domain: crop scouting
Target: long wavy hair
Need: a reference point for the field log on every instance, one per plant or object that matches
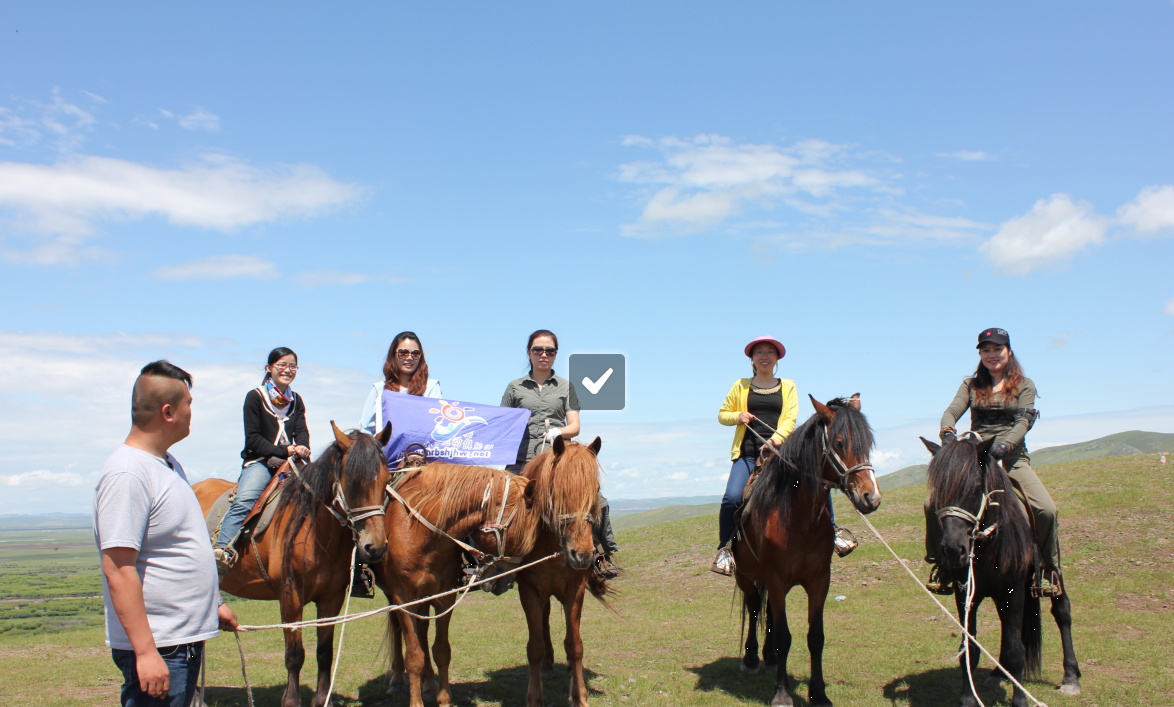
(799, 463)
(419, 380)
(983, 384)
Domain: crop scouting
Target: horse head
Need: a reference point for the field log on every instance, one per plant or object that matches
(567, 496)
(359, 496)
(963, 481)
(847, 441)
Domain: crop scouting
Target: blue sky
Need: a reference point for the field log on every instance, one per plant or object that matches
(870, 184)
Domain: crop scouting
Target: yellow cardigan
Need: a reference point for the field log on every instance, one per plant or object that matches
(736, 404)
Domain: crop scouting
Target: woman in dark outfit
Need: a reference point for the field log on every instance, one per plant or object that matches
(554, 412)
(1001, 401)
(769, 406)
(275, 430)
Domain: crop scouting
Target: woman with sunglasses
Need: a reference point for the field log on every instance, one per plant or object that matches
(763, 407)
(404, 371)
(275, 430)
(554, 412)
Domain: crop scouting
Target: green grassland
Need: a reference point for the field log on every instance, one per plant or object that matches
(667, 514)
(675, 641)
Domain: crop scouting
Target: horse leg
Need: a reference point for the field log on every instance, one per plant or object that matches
(413, 657)
(325, 651)
(532, 605)
(429, 687)
(1062, 613)
(573, 644)
(547, 644)
(398, 680)
(960, 600)
(442, 652)
(295, 653)
(782, 636)
(1012, 653)
(752, 604)
(769, 657)
(816, 596)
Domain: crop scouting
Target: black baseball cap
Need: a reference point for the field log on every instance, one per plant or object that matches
(995, 336)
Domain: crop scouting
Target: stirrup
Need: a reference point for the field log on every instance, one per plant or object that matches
(363, 583)
(938, 584)
(226, 557)
(724, 563)
(1051, 587)
(845, 542)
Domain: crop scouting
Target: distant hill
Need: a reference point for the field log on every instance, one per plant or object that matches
(1115, 445)
(903, 477)
(664, 515)
(47, 521)
(626, 506)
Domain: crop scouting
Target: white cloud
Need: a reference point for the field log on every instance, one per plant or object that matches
(62, 202)
(65, 123)
(327, 278)
(198, 119)
(1151, 212)
(40, 477)
(1061, 340)
(220, 267)
(967, 155)
(1054, 231)
(1169, 308)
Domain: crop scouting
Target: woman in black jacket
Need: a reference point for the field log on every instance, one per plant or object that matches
(275, 430)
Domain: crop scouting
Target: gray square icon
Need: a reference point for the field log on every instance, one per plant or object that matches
(600, 380)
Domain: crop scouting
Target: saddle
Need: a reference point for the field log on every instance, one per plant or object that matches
(258, 519)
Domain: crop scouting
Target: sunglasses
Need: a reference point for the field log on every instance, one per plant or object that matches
(408, 353)
(539, 351)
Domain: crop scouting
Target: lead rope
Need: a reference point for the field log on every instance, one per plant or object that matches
(244, 671)
(342, 632)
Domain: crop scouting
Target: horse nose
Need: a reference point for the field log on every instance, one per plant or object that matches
(579, 560)
(374, 552)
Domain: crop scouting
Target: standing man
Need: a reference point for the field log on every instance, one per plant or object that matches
(159, 577)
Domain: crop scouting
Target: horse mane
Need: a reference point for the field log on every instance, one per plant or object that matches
(453, 489)
(566, 485)
(957, 477)
(299, 501)
(798, 466)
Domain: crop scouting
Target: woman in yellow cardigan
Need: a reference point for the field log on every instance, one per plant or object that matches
(769, 406)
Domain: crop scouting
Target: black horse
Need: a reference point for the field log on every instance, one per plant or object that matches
(982, 518)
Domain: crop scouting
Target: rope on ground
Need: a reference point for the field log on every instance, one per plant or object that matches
(965, 633)
(333, 620)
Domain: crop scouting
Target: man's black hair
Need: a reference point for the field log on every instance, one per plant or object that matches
(145, 402)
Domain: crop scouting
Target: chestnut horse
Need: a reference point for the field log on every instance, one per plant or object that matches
(980, 515)
(566, 497)
(787, 539)
(488, 509)
(305, 555)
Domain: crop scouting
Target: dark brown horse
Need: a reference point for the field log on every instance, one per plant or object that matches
(787, 539)
(488, 509)
(305, 555)
(961, 474)
(566, 498)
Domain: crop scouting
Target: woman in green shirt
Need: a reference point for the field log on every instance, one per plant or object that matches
(1001, 401)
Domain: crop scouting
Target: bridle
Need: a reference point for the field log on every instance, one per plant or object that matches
(348, 516)
(843, 471)
(977, 532)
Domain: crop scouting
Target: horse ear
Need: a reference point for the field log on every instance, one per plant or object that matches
(984, 448)
(933, 447)
(559, 446)
(854, 401)
(826, 415)
(594, 446)
(528, 492)
(385, 436)
(344, 442)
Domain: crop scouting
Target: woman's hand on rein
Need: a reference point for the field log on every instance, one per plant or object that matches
(746, 418)
(303, 452)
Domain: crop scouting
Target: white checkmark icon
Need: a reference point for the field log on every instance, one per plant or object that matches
(594, 386)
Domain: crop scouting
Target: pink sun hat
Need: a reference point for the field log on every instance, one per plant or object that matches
(769, 339)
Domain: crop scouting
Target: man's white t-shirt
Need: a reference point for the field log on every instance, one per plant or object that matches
(143, 503)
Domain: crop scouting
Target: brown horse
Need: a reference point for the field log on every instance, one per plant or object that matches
(488, 509)
(566, 497)
(305, 555)
(787, 539)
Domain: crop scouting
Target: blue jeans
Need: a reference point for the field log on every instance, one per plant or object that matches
(254, 478)
(735, 485)
(183, 661)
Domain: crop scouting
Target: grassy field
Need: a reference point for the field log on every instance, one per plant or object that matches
(677, 640)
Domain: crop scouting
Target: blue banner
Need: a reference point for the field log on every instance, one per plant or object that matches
(454, 432)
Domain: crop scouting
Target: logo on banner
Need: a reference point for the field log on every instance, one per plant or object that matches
(451, 431)
(453, 420)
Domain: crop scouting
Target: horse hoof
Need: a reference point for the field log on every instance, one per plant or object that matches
(1070, 688)
(821, 702)
(994, 679)
(547, 673)
(397, 684)
(782, 699)
(747, 670)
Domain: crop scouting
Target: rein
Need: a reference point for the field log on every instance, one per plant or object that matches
(349, 516)
(843, 471)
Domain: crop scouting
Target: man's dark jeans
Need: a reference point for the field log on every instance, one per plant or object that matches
(184, 663)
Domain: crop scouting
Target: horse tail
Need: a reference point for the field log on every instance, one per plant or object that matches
(602, 591)
(762, 604)
(1032, 633)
